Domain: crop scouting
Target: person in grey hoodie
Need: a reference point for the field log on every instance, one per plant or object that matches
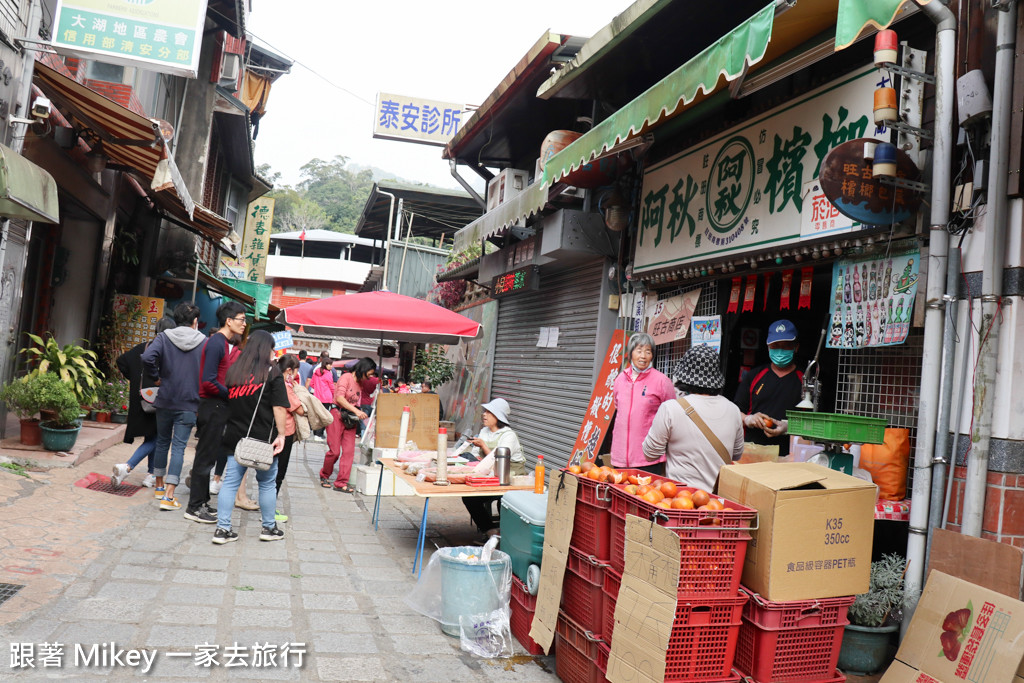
(173, 359)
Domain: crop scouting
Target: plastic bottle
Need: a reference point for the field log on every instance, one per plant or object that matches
(538, 475)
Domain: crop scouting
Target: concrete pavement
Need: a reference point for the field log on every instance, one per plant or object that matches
(98, 569)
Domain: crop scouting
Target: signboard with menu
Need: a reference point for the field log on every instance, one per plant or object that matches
(601, 407)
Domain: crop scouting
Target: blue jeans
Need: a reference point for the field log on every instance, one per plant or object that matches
(267, 481)
(145, 450)
(173, 427)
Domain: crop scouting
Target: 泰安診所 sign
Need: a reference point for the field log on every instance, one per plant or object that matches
(414, 119)
(161, 35)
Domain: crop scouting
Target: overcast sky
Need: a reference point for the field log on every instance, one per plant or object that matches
(449, 50)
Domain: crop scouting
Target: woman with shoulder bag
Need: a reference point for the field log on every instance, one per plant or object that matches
(257, 409)
(341, 434)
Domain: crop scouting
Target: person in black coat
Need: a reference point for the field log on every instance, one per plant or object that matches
(140, 423)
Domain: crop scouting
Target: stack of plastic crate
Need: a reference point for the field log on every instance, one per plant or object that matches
(523, 606)
(580, 655)
(797, 640)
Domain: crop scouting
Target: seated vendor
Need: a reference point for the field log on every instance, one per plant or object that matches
(495, 433)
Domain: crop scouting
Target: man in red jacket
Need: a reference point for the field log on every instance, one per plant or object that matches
(217, 356)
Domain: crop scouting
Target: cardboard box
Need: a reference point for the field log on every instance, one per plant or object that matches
(422, 422)
(960, 632)
(815, 529)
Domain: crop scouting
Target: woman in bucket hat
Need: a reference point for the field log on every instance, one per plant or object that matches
(494, 433)
(700, 432)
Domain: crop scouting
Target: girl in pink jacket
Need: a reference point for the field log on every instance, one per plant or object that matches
(638, 392)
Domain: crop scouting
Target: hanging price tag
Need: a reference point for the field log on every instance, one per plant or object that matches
(806, 280)
(749, 293)
(734, 296)
(787, 287)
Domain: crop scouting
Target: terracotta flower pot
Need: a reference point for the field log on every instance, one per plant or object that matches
(102, 416)
(31, 435)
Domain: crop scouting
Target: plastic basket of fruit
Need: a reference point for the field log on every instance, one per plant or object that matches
(836, 427)
(592, 489)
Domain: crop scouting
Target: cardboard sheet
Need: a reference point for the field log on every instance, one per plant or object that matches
(646, 607)
(557, 534)
(996, 566)
(422, 422)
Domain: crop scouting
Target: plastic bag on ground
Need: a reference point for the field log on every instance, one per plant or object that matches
(487, 635)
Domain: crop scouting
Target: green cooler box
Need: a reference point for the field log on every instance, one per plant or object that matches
(522, 529)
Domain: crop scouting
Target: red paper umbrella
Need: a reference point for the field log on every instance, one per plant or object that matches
(374, 315)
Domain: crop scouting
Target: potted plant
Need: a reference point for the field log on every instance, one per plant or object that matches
(111, 397)
(119, 406)
(61, 431)
(73, 364)
(874, 617)
(433, 366)
(22, 399)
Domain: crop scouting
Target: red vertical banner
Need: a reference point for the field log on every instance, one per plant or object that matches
(806, 281)
(600, 409)
(734, 296)
(787, 289)
(749, 293)
(767, 286)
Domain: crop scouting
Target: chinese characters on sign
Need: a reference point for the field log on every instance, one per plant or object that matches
(110, 655)
(141, 329)
(256, 238)
(600, 409)
(872, 300)
(669, 319)
(412, 119)
(748, 187)
(162, 35)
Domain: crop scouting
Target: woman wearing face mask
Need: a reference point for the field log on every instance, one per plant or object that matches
(638, 392)
(768, 391)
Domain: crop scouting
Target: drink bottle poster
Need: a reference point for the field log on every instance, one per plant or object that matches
(873, 299)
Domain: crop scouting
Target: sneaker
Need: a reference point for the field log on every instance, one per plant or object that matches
(149, 482)
(271, 533)
(210, 510)
(169, 503)
(222, 536)
(120, 472)
(280, 518)
(200, 515)
(214, 486)
(159, 491)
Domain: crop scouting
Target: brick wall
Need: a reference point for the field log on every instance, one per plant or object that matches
(1004, 506)
(278, 298)
(118, 92)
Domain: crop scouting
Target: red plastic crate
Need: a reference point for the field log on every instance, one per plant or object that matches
(703, 641)
(590, 530)
(583, 590)
(795, 613)
(592, 491)
(522, 607)
(710, 562)
(791, 641)
(577, 653)
(691, 523)
(612, 582)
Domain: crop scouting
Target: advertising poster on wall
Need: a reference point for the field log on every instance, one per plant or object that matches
(873, 298)
(669, 319)
(141, 328)
(707, 329)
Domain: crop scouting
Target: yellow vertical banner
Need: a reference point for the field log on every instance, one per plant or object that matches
(256, 238)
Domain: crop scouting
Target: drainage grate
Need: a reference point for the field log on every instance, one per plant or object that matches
(7, 591)
(104, 486)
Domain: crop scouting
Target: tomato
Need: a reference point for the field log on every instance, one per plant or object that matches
(669, 489)
(700, 498)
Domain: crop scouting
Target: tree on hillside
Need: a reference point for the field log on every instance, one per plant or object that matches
(339, 192)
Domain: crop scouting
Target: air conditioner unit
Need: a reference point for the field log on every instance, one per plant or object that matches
(506, 185)
(230, 67)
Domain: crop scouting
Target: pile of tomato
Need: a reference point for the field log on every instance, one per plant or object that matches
(662, 493)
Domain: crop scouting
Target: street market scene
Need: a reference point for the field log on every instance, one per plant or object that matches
(628, 342)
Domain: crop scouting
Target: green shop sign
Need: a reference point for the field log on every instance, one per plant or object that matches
(160, 35)
(754, 186)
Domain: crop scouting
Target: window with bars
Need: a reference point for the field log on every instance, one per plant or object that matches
(707, 304)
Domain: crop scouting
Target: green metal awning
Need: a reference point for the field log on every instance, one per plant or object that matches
(700, 77)
(520, 207)
(26, 191)
(855, 15)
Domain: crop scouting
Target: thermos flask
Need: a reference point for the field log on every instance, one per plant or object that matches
(503, 465)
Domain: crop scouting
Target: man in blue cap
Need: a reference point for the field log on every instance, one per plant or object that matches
(768, 391)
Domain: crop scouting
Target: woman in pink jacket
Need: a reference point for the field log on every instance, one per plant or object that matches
(638, 392)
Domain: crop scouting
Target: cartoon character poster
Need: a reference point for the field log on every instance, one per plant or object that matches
(872, 300)
(706, 329)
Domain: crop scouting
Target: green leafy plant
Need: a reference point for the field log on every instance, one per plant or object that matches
(56, 396)
(15, 468)
(433, 366)
(112, 396)
(21, 397)
(884, 600)
(73, 364)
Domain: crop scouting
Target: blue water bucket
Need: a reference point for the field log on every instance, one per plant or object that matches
(471, 586)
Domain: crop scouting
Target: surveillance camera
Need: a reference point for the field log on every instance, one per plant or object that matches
(41, 108)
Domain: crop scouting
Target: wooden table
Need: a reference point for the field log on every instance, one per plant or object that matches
(428, 490)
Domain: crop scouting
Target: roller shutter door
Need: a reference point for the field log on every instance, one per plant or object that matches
(549, 388)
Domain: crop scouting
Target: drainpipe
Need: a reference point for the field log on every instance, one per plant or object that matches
(945, 51)
(992, 272)
(465, 185)
(387, 238)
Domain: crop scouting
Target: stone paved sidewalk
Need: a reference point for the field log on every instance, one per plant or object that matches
(99, 568)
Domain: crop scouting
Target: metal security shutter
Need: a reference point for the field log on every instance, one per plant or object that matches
(549, 388)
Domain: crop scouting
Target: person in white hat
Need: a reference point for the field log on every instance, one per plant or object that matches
(495, 433)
